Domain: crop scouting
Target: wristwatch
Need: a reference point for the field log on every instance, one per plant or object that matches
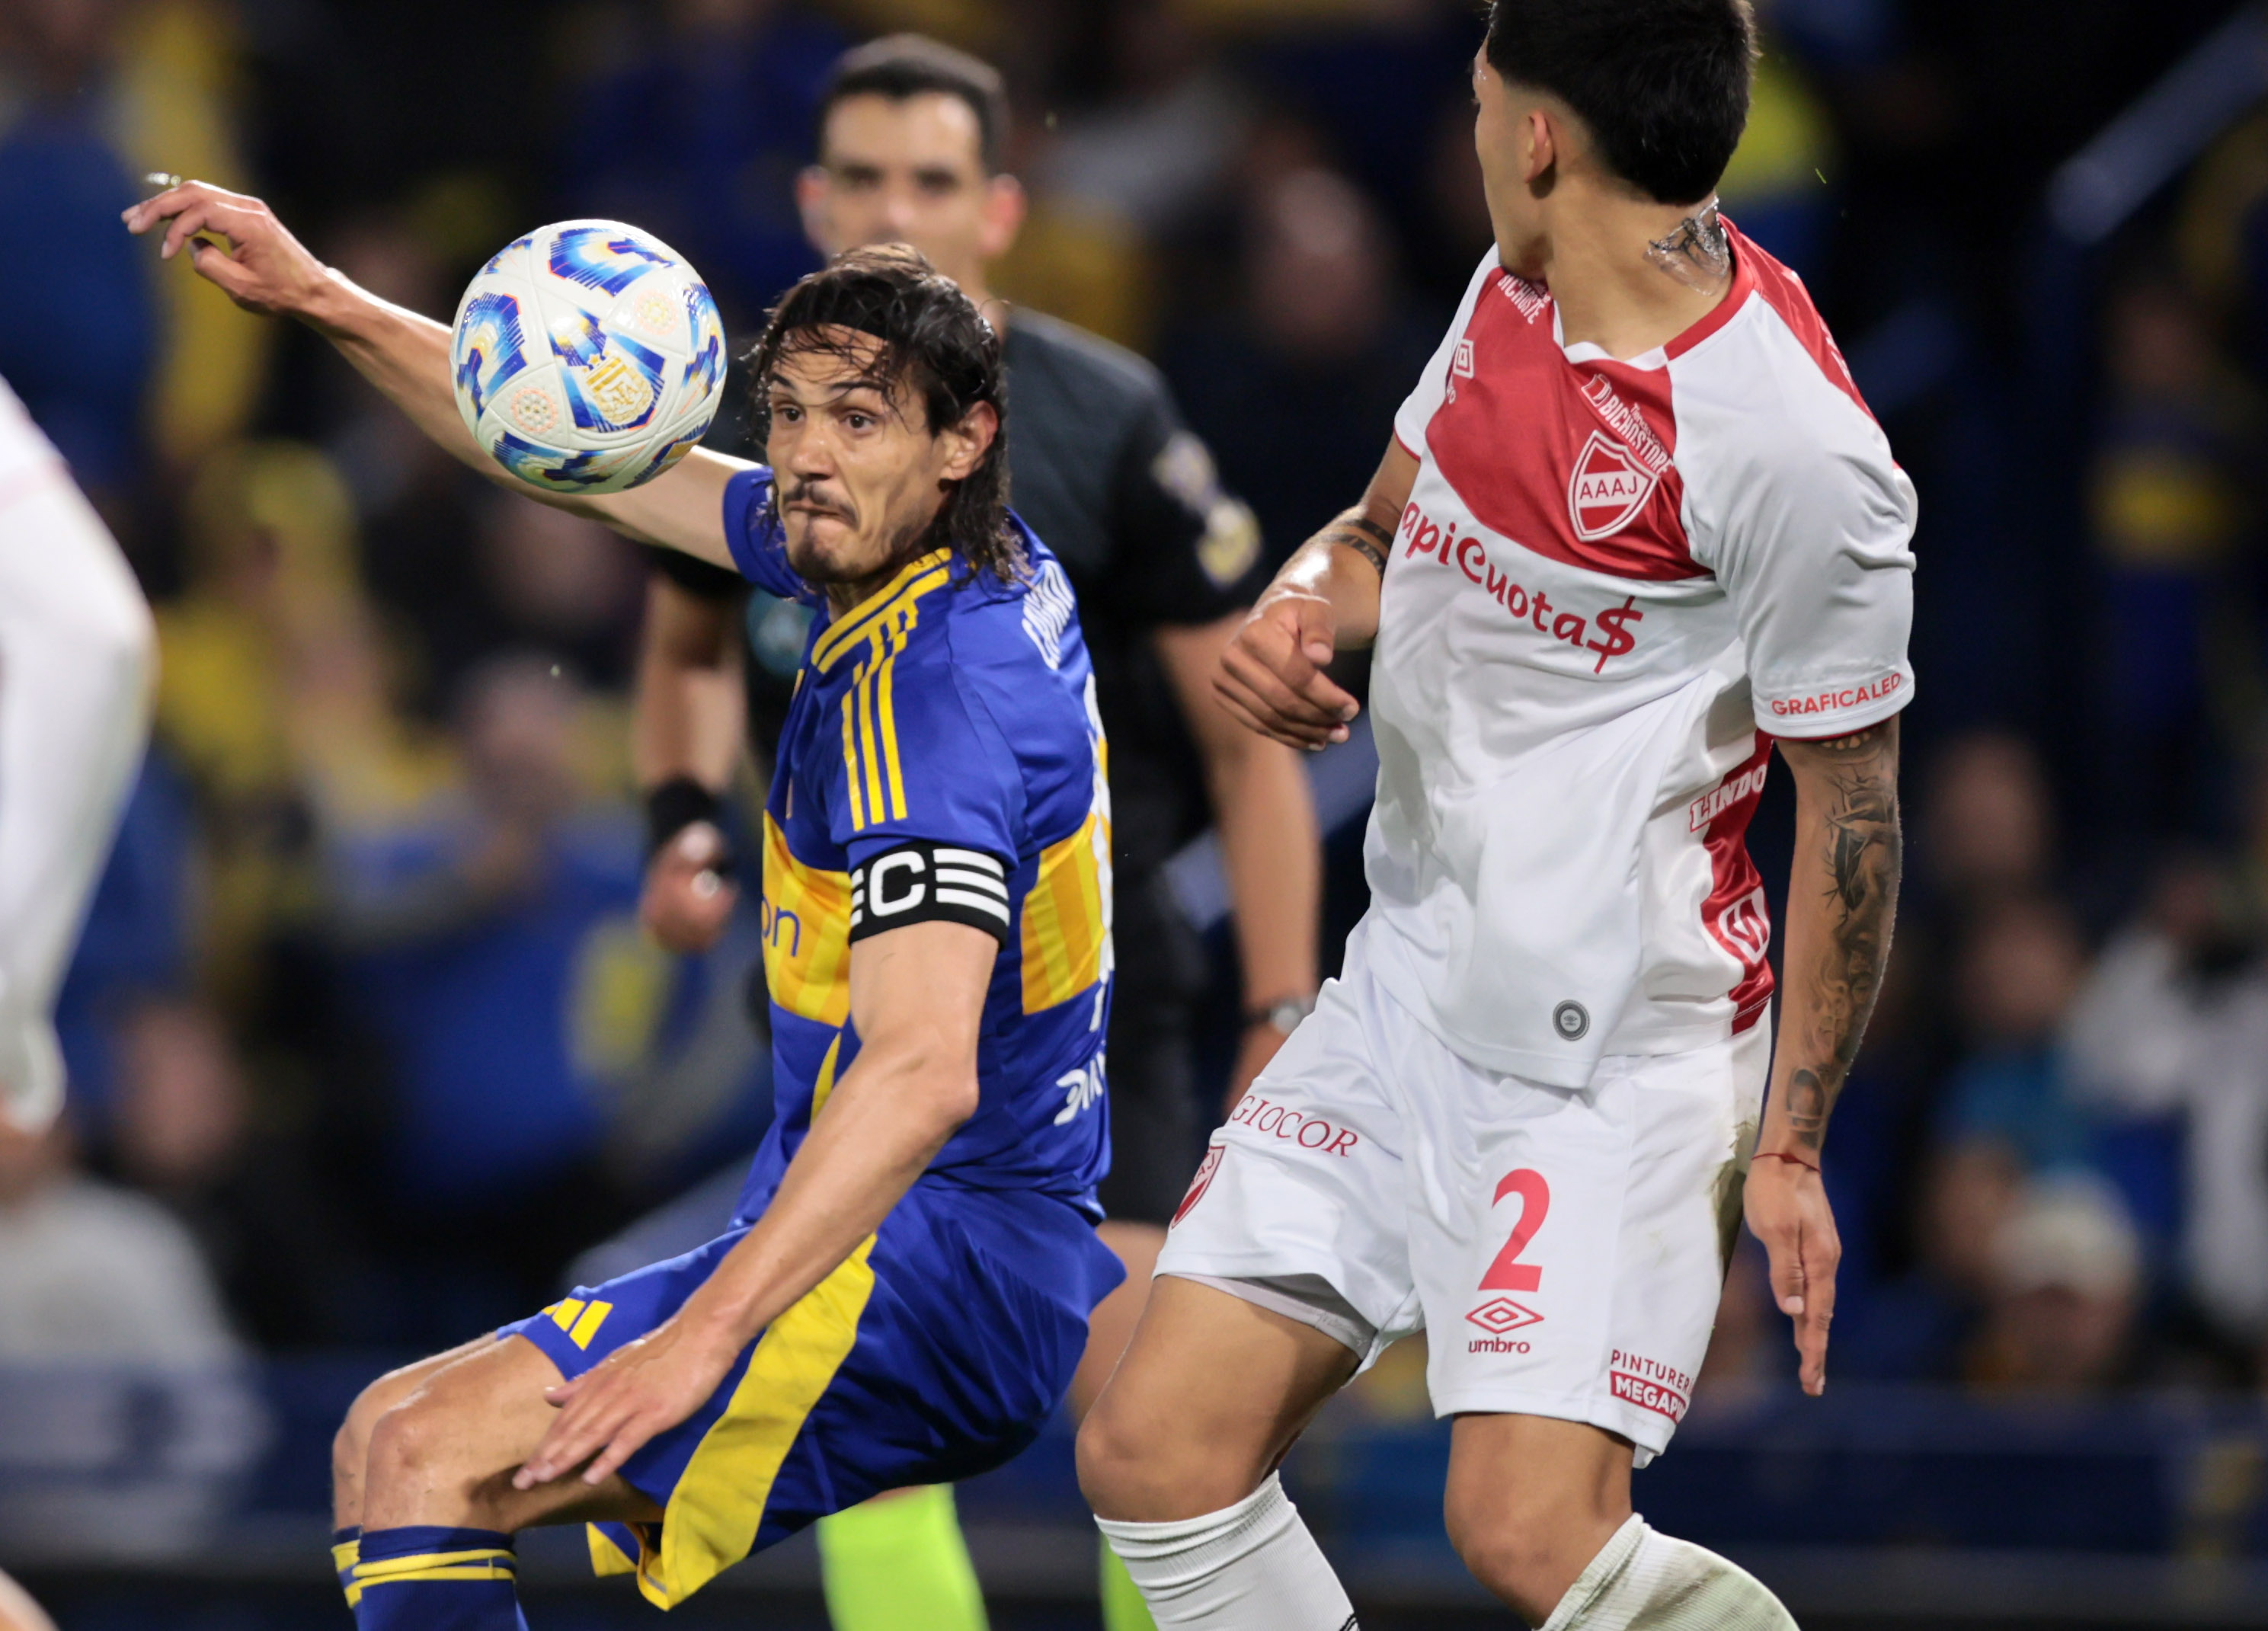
(1285, 1013)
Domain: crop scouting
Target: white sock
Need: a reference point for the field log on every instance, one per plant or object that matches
(1251, 1567)
(1643, 1579)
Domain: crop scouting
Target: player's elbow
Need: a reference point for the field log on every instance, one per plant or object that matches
(116, 639)
(935, 1090)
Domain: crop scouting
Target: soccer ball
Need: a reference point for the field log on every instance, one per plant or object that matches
(587, 357)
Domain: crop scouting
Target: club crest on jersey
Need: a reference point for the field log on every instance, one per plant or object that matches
(1745, 926)
(1607, 488)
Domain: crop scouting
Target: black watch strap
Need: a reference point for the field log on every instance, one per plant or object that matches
(676, 804)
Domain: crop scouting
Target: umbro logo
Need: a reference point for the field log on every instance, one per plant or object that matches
(1500, 1314)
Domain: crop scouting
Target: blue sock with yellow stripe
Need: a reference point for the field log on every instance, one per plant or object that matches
(346, 1552)
(424, 1577)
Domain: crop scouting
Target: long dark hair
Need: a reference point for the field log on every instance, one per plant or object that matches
(933, 340)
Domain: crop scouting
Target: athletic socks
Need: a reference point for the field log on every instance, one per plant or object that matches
(424, 1577)
(1251, 1567)
(898, 1563)
(1643, 1579)
(1122, 1607)
(346, 1552)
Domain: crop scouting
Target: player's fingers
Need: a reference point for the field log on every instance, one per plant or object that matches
(1234, 707)
(141, 217)
(1236, 684)
(1295, 642)
(582, 1426)
(627, 1442)
(1272, 682)
(1269, 719)
(1818, 1310)
(218, 268)
(1316, 629)
(1784, 1269)
(185, 225)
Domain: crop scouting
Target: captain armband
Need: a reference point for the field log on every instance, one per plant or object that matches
(922, 882)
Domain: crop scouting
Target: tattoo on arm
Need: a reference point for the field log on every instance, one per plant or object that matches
(1358, 533)
(1862, 859)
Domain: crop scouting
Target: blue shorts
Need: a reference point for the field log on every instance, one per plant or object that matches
(935, 1352)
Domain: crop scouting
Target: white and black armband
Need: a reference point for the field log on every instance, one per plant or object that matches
(921, 882)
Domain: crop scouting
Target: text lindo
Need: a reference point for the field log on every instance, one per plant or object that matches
(1723, 797)
(1606, 633)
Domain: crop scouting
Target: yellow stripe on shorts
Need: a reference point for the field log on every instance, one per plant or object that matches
(711, 1520)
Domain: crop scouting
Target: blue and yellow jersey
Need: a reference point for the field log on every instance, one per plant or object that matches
(943, 758)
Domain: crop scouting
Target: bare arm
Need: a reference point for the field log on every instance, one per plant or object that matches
(1269, 845)
(689, 714)
(1325, 600)
(1842, 895)
(918, 995)
(264, 269)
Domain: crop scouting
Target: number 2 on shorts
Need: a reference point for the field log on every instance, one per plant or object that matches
(1507, 1273)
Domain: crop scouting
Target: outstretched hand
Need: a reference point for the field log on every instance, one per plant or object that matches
(1271, 676)
(259, 264)
(1787, 1210)
(614, 1409)
(688, 901)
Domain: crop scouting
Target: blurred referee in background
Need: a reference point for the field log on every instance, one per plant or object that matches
(910, 134)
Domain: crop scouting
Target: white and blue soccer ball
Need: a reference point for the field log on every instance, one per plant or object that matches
(588, 357)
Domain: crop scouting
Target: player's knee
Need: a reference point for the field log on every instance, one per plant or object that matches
(1133, 1470)
(1516, 1550)
(410, 1443)
(350, 1444)
(1116, 1471)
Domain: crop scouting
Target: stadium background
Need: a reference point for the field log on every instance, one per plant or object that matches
(368, 1046)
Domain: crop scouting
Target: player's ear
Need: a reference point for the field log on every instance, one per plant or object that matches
(1005, 205)
(968, 442)
(811, 190)
(1539, 148)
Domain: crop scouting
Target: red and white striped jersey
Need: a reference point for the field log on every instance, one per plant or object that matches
(1615, 581)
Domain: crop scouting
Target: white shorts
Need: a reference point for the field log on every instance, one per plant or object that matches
(1566, 1247)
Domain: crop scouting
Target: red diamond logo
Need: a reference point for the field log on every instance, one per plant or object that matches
(1500, 1314)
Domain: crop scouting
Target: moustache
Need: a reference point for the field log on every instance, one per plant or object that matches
(807, 495)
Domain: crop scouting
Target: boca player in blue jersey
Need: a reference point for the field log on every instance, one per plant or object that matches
(903, 1294)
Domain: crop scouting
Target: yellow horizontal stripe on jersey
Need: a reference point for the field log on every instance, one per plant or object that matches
(713, 1514)
(807, 929)
(914, 579)
(1065, 930)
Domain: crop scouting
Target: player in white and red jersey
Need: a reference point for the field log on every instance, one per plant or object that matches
(76, 648)
(1635, 524)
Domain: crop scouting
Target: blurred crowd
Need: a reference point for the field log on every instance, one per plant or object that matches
(366, 1040)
